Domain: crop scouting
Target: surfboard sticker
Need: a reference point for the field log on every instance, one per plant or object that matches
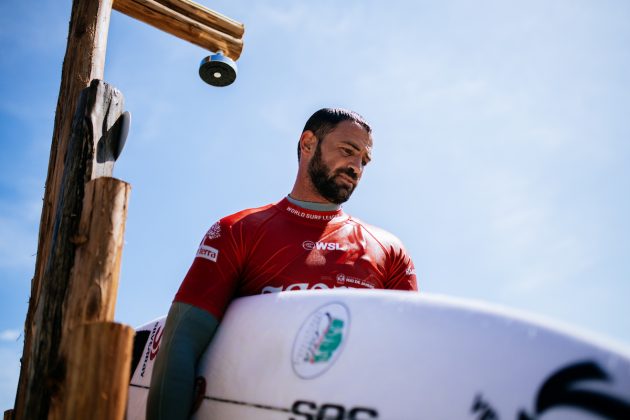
(320, 340)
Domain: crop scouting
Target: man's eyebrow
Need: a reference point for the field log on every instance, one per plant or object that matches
(352, 144)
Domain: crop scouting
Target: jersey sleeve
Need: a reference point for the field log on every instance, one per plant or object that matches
(399, 273)
(214, 274)
(402, 273)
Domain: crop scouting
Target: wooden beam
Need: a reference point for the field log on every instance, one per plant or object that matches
(206, 16)
(96, 373)
(184, 26)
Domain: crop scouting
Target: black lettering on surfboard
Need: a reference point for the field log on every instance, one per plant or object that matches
(483, 410)
(309, 410)
(331, 411)
(139, 341)
(152, 347)
(361, 413)
(565, 388)
(304, 408)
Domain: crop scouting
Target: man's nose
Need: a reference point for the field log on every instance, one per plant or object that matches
(356, 166)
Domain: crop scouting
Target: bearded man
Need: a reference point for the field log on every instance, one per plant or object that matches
(304, 241)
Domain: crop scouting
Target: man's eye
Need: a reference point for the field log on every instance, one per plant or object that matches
(346, 152)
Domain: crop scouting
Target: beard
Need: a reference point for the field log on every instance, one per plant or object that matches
(324, 179)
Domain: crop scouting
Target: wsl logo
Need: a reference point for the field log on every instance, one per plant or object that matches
(320, 340)
(323, 246)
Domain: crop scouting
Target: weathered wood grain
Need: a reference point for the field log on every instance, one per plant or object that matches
(83, 61)
(98, 108)
(96, 374)
(206, 16)
(81, 150)
(99, 243)
(181, 26)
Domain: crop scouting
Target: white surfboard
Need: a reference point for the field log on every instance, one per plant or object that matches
(366, 354)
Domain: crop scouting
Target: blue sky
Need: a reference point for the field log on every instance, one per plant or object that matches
(501, 153)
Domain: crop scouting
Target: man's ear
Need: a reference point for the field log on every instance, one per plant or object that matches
(308, 142)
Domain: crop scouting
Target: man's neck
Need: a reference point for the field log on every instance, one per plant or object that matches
(309, 205)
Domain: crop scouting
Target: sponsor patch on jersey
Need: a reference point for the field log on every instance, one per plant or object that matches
(410, 271)
(208, 253)
(353, 281)
(323, 246)
(343, 281)
(214, 232)
(294, 286)
(311, 216)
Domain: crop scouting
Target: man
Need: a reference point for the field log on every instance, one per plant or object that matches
(305, 241)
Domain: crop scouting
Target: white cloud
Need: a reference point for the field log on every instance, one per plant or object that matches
(529, 236)
(10, 335)
(30, 28)
(547, 265)
(19, 222)
(286, 17)
(18, 246)
(9, 375)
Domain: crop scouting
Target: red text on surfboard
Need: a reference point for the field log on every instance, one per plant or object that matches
(155, 346)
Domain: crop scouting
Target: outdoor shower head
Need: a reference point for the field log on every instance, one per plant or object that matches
(217, 70)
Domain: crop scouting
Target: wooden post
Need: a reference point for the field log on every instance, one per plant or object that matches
(99, 240)
(91, 297)
(81, 151)
(99, 108)
(97, 373)
(84, 61)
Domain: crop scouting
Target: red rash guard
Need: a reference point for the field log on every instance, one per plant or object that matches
(285, 247)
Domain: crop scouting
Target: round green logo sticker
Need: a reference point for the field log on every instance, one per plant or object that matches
(320, 340)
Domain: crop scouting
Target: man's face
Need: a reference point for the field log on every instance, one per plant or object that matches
(339, 160)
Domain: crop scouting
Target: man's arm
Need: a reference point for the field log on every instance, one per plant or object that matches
(187, 333)
(402, 272)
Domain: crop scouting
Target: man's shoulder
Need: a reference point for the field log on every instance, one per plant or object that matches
(253, 215)
(385, 237)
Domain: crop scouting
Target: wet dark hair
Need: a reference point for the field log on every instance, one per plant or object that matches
(325, 120)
